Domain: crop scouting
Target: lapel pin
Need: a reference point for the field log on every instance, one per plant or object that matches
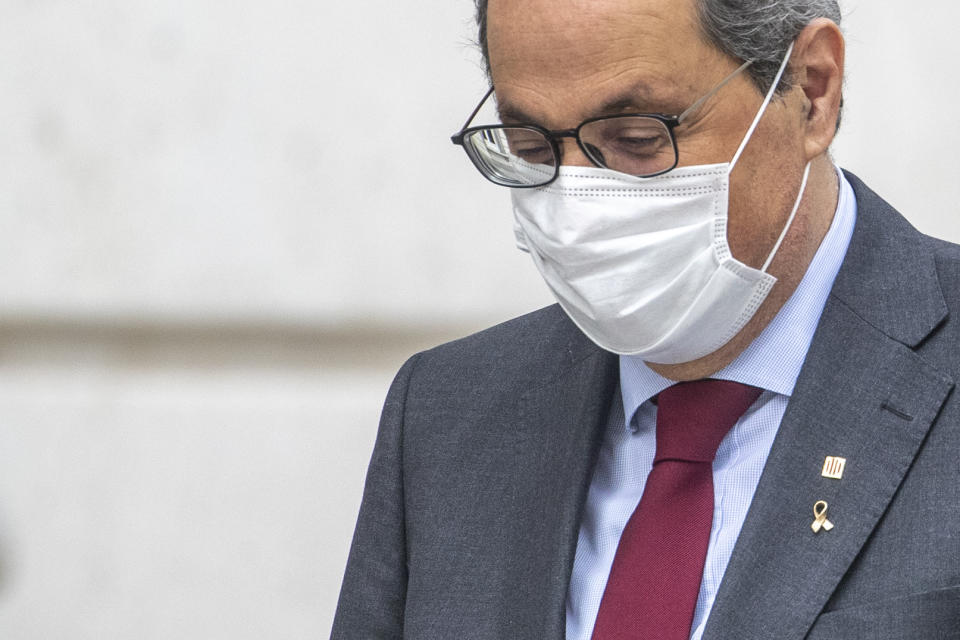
(833, 467)
(820, 515)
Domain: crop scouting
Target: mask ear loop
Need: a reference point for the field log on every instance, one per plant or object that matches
(763, 108)
(793, 214)
(746, 139)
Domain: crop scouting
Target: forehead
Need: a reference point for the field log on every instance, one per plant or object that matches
(559, 59)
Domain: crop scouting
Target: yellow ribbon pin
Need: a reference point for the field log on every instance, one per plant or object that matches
(820, 513)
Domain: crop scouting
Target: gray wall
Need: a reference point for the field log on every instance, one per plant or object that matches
(222, 235)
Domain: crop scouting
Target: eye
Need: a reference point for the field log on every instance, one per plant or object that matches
(530, 146)
(638, 141)
(639, 145)
(534, 154)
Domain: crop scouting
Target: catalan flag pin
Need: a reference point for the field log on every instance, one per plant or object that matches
(833, 467)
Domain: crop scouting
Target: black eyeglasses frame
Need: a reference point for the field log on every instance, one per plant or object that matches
(553, 136)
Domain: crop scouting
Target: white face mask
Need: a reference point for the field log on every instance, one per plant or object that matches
(642, 265)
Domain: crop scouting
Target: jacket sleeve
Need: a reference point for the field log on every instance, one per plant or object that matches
(373, 593)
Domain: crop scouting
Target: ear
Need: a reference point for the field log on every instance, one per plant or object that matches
(817, 66)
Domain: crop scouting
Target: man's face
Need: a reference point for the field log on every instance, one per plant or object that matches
(558, 62)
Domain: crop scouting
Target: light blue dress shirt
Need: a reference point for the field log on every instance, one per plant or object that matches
(772, 362)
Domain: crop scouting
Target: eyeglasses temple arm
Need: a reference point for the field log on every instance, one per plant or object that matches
(477, 110)
(699, 103)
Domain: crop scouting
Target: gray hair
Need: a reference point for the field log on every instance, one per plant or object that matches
(758, 30)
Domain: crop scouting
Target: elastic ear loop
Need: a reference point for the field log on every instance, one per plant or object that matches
(793, 214)
(746, 139)
(763, 108)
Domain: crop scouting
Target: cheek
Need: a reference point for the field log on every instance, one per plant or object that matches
(708, 144)
(763, 189)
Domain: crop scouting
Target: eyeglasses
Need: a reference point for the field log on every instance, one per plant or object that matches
(526, 155)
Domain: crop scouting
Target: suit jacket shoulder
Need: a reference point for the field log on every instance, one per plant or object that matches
(486, 444)
(515, 354)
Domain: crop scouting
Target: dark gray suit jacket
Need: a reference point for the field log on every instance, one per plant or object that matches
(473, 498)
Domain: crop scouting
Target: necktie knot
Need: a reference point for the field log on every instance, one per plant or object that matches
(693, 417)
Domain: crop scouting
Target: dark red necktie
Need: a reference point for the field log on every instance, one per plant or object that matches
(652, 590)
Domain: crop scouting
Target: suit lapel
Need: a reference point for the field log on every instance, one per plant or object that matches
(576, 410)
(559, 430)
(870, 401)
(864, 395)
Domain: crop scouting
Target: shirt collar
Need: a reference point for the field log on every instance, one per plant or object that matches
(772, 361)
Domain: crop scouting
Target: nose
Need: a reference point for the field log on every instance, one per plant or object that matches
(571, 155)
(595, 154)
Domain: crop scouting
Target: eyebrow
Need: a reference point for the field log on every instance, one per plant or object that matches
(632, 99)
(513, 115)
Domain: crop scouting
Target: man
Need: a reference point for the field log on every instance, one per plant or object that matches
(670, 175)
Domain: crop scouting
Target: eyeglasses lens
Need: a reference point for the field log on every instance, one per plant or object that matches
(512, 156)
(636, 145)
(525, 157)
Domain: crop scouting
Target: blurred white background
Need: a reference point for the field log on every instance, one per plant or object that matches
(225, 226)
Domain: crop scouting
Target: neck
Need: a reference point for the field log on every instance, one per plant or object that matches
(789, 266)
